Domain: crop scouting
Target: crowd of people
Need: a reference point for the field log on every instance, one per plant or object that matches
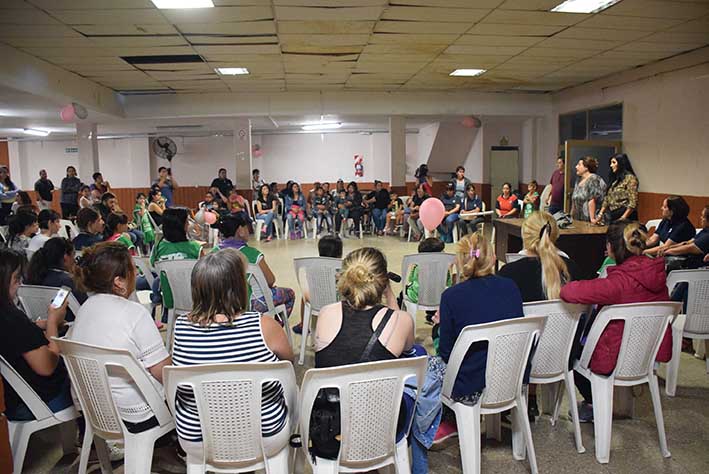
(368, 318)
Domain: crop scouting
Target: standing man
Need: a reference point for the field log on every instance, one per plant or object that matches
(44, 187)
(222, 183)
(256, 180)
(556, 196)
(166, 183)
(70, 193)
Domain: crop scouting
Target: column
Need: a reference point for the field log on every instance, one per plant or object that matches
(87, 139)
(397, 158)
(242, 153)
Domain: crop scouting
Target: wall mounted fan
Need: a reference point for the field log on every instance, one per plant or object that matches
(165, 147)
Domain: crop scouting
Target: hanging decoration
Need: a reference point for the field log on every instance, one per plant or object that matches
(358, 166)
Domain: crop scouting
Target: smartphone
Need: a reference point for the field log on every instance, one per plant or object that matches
(60, 297)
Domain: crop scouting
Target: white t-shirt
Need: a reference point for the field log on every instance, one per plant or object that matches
(115, 322)
(38, 241)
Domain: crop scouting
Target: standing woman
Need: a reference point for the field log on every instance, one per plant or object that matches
(506, 203)
(8, 191)
(588, 192)
(295, 211)
(621, 201)
(142, 219)
(460, 182)
(71, 185)
(266, 207)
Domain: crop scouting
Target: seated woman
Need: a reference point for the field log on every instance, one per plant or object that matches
(295, 212)
(21, 227)
(543, 272)
(674, 228)
(27, 349)
(266, 210)
(110, 319)
(496, 298)
(91, 227)
(156, 205)
(235, 233)
(506, 203)
(634, 279)
(117, 231)
(49, 226)
(696, 248)
(354, 203)
(470, 204)
(225, 331)
(52, 265)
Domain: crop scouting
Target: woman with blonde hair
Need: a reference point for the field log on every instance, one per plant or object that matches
(481, 297)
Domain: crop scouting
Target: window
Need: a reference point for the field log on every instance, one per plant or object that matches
(605, 123)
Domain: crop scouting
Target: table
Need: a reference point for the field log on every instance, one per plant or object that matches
(583, 242)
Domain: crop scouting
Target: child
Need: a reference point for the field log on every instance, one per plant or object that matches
(85, 197)
(142, 220)
(321, 209)
(395, 213)
(341, 211)
(328, 246)
(117, 231)
(531, 200)
(237, 205)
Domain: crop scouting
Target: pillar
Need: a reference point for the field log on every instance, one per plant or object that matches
(397, 155)
(242, 153)
(87, 139)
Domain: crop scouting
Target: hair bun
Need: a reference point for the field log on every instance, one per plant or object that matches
(359, 274)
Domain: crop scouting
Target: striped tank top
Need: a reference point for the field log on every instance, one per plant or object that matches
(241, 341)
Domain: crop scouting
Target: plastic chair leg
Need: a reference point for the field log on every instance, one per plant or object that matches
(171, 317)
(657, 407)
(20, 439)
(257, 229)
(672, 369)
(468, 421)
(558, 395)
(527, 433)
(519, 451)
(86, 449)
(279, 462)
(325, 466)
(571, 392)
(402, 464)
(602, 390)
(306, 330)
(139, 454)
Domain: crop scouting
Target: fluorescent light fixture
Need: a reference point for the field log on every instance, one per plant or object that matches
(232, 71)
(164, 4)
(321, 126)
(35, 132)
(468, 72)
(583, 6)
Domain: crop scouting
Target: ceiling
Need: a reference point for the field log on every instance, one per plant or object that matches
(314, 45)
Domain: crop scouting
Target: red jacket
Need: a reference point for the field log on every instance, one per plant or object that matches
(637, 280)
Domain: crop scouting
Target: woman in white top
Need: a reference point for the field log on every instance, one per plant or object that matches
(108, 318)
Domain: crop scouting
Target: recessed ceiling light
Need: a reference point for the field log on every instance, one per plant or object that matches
(583, 6)
(322, 126)
(164, 4)
(468, 72)
(232, 71)
(35, 132)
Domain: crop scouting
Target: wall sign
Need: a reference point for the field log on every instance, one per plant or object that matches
(71, 149)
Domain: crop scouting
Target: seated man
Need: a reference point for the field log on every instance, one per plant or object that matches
(450, 217)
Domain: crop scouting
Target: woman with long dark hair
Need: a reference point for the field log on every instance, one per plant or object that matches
(71, 185)
(8, 191)
(621, 201)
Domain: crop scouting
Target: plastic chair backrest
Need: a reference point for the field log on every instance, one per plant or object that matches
(228, 398)
(370, 399)
(432, 274)
(604, 273)
(513, 257)
(697, 298)
(89, 368)
(143, 264)
(320, 275)
(509, 343)
(179, 276)
(4, 233)
(551, 356)
(645, 325)
(543, 198)
(652, 224)
(35, 299)
(256, 277)
(36, 405)
(67, 229)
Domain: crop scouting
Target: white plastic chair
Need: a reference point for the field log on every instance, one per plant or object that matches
(370, 400)
(550, 363)
(228, 398)
(21, 431)
(179, 277)
(652, 224)
(482, 213)
(143, 296)
(509, 343)
(694, 325)
(320, 276)
(432, 278)
(258, 224)
(279, 313)
(89, 367)
(4, 233)
(35, 300)
(645, 326)
(543, 198)
(67, 229)
(513, 257)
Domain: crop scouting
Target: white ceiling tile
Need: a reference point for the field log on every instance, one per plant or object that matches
(485, 50)
(485, 28)
(330, 3)
(541, 5)
(327, 14)
(620, 34)
(659, 47)
(455, 15)
(91, 4)
(421, 27)
(516, 17)
(71, 58)
(628, 22)
(201, 40)
(467, 61)
(559, 53)
(311, 48)
(41, 42)
(571, 43)
(398, 38)
(658, 9)
(109, 17)
(700, 25)
(14, 4)
(324, 40)
(403, 48)
(267, 27)
(396, 58)
(490, 40)
(376, 67)
(126, 29)
(450, 3)
(239, 49)
(325, 27)
(181, 75)
(147, 51)
(26, 16)
(677, 37)
(240, 3)
(51, 52)
(136, 41)
(101, 69)
(218, 14)
(37, 31)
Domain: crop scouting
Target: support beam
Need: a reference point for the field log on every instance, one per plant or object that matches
(242, 153)
(87, 138)
(397, 155)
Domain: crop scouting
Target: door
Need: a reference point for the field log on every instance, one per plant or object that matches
(504, 168)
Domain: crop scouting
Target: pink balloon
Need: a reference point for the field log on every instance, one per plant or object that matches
(257, 153)
(470, 122)
(431, 213)
(67, 113)
(210, 217)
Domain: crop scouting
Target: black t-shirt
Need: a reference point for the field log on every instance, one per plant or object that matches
(268, 202)
(678, 231)
(702, 241)
(382, 198)
(418, 200)
(19, 335)
(224, 185)
(527, 274)
(44, 188)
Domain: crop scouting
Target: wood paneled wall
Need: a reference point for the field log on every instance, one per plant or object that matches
(4, 155)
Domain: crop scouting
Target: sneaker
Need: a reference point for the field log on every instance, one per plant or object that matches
(298, 328)
(446, 430)
(585, 412)
(158, 325)
(269, 238)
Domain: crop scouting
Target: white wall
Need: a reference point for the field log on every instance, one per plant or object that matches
(493, 130)
(474, 162)
(424, 143)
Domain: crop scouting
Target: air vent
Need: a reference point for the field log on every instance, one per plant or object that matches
(163, 59)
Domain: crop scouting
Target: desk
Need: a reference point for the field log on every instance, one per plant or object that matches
(583, 242)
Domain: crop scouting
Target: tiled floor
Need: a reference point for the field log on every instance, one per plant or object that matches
(634, 443)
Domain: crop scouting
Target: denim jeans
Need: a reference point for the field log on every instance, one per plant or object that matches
(446, 228)
(60, 402)
(326, 217)
(379, 216)
(292, 220)
(267, 222)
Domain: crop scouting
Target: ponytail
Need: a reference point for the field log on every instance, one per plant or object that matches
(539, 234)
(49, 256)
